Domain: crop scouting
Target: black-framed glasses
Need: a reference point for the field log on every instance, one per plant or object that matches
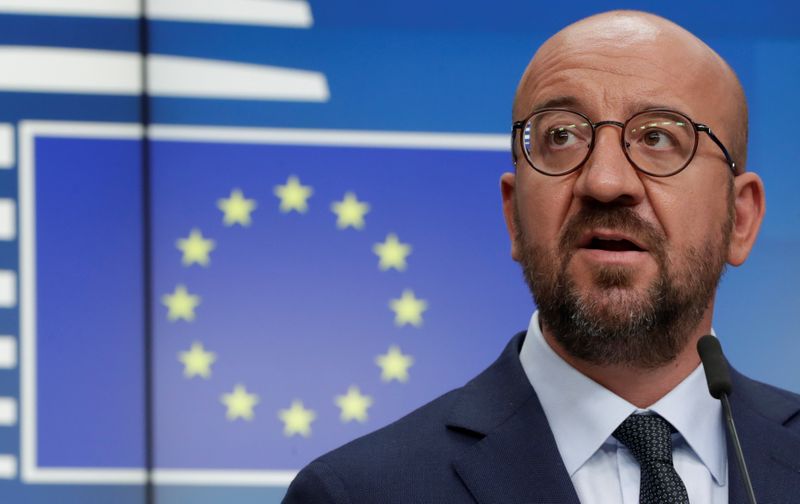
(658, 142)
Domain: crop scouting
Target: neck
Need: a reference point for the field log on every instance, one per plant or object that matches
(641, 387)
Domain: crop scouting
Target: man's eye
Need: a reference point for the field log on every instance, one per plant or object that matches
(561, 137)
(658, 139)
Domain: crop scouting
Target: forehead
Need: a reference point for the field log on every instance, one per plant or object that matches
(615, 65)
(603, 79)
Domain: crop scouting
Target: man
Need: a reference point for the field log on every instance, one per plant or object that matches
(628, 198)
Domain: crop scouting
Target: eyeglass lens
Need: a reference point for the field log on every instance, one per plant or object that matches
(657, 142)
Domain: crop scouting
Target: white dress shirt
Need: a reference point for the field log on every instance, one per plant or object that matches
(583, 415)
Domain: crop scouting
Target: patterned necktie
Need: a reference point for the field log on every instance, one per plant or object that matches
(649, 438)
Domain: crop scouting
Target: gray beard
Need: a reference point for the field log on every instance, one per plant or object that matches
(621, 326)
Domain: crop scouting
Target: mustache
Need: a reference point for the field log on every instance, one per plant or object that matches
(615, 217)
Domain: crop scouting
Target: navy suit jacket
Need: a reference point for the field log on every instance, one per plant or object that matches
(489, 442)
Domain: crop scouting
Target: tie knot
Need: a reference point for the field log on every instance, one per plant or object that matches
(648, 437)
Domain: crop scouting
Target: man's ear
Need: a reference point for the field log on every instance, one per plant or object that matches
(749, 208)
(508, 183)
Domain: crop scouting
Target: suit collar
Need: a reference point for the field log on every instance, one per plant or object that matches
(583, 414)
(494, 395)
(515, 458)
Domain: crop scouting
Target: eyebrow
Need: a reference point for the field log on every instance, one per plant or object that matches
(575, 103)
(560, 102)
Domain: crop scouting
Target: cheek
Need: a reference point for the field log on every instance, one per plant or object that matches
(543, 208)
(688, 217)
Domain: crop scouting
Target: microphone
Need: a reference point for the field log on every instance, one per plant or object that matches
(719, 386)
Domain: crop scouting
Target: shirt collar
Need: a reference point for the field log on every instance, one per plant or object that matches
(583, 414)
(697, 416)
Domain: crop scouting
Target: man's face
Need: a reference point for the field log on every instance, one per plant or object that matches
(622, 265)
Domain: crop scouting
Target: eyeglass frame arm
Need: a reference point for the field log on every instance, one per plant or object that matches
(707, 130)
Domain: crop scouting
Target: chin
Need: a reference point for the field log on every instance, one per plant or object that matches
(613, 278)
(612, 297)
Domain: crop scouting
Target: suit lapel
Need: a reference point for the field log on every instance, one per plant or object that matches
(516, 458)
(517, 462)
(771, 450)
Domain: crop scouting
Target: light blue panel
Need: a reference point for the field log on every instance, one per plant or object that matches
(219, 495)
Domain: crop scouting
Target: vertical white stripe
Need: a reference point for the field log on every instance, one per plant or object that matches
(8, 219)
(8, 467)
(27, 293)
(8, 352)
(8, 289)
(8, 411)
(7, 156)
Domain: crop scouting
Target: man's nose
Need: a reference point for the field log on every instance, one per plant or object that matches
(608, 176)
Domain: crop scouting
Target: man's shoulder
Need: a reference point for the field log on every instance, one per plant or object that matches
(418, 436)
(776, 404)
(415, 448)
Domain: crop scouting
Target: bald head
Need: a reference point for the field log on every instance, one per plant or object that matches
(655, 59)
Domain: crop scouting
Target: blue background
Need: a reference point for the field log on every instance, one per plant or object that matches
(433, 66)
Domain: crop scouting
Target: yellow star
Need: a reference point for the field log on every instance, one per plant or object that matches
(240, 404)
(394, 365)
(293, 195)
(408, 309)
(297, 419)
(180, 304)
(197, 361)
(392, 253)
(195, 248)
(350, 212)
(353, 405)
(237, 208)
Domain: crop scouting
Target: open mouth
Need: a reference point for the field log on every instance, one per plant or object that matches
(610, 241)
(613, 245)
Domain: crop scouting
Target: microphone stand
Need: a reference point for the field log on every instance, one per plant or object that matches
(737, 447)
(719, 386)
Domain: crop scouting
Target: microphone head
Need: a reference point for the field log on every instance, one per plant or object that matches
(715, 365)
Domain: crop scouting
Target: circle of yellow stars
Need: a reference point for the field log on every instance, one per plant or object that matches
(350, 212)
